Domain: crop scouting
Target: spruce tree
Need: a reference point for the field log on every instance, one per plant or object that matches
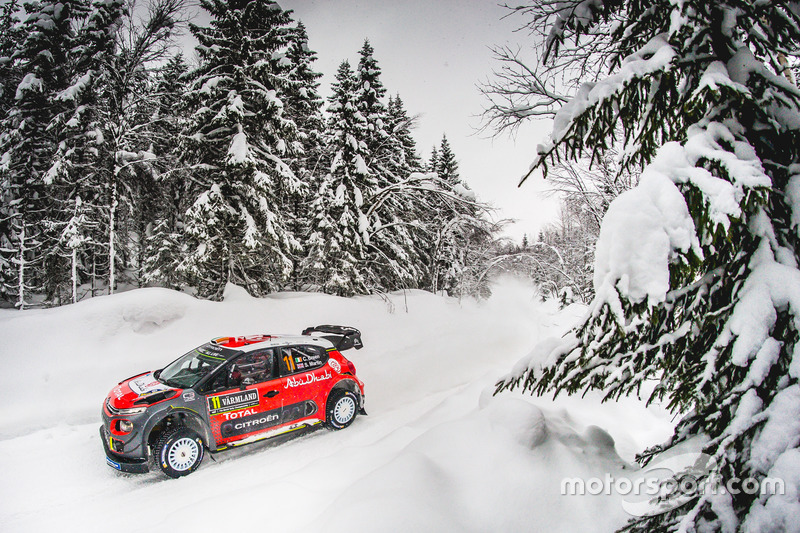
(138, 152)
(403, 159)
(10, 76)
(447, 166)
(303, 101)
(238, 141)
(458, 225)
(41, 59)
(696, 277)
(432, 164)
(370, 92)
(336, 255)
(85, 166)
(391, 219)
(50, 136)
(172, 189)
(304, 106)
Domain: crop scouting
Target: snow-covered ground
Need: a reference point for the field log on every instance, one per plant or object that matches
(437, 452)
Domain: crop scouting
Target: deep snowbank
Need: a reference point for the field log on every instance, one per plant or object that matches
(437, 452)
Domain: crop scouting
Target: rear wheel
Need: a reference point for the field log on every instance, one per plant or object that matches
(341, 409)
(178, 451)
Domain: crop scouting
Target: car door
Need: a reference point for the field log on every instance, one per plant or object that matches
(307, 380)
(246, 398)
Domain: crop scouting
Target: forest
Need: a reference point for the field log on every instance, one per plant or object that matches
(123, 165)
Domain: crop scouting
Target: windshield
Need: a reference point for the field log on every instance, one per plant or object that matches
(195, 365)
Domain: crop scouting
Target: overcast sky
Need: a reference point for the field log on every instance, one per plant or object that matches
(434, 53)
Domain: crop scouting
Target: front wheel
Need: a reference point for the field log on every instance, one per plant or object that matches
(341, 409)
(179, 452)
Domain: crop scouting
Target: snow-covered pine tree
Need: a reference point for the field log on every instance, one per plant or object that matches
(138, 158)
(303, 105)
(461, 229)
(27, 146)
(173, 190)
(45, 133)
(696, 272)
(9, 36)
(391, 217)
(237, 140)
(447, 166)
(10, 77)
(303, 102)
(335, 260)
(83, 167)
(405, 158)
(432, 165)
(400, 235)
(370, 92)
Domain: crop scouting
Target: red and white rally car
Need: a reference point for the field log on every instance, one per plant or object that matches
(229, 392)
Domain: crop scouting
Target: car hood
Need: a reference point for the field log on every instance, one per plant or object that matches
(127, 393)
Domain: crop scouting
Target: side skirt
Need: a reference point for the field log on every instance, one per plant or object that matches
(294, 428)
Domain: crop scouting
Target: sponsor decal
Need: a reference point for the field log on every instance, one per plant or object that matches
(301, 358)
(188, 395)
(214, 353)
(335, 365)
(118, 392)
(238, 414)
(113, 464)
(146, 386)
(233, 401)
(307, 379)
(251, 423)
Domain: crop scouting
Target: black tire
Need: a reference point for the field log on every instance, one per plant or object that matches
(341, 409)
(178, 452)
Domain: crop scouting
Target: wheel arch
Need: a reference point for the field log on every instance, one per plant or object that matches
(177, 417)
(347, 384)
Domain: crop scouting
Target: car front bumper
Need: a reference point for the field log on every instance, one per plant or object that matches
(123, 464)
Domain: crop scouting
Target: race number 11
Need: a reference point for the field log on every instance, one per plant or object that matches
(289, 362)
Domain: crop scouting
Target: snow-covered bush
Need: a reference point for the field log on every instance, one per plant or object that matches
(696, 276)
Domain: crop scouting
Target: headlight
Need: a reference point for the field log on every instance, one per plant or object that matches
(125, 426)
(132, 411)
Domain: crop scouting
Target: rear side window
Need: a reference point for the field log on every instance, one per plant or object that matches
(302, 358)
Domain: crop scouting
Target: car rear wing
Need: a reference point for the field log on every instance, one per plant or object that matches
(342, 337)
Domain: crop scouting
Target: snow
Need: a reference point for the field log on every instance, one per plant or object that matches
(211, 83)
(70, 93)
(769, 287)
(361, 166)
(639, 236)
(781, 510)
(437, 452)
(462, 191)
(781, 431)
(29, 83)
(239, 151)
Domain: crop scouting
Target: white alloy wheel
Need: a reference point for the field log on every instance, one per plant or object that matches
(344, 410)
(183, 453)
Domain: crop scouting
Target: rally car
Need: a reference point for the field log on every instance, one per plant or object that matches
(229, 392)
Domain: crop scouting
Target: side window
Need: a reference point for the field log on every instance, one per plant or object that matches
(219, 382)
(251, 368)
(302, 358)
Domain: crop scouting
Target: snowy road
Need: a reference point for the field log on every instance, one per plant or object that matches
(436, 453)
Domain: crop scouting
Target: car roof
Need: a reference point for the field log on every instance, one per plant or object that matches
(249, 343)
